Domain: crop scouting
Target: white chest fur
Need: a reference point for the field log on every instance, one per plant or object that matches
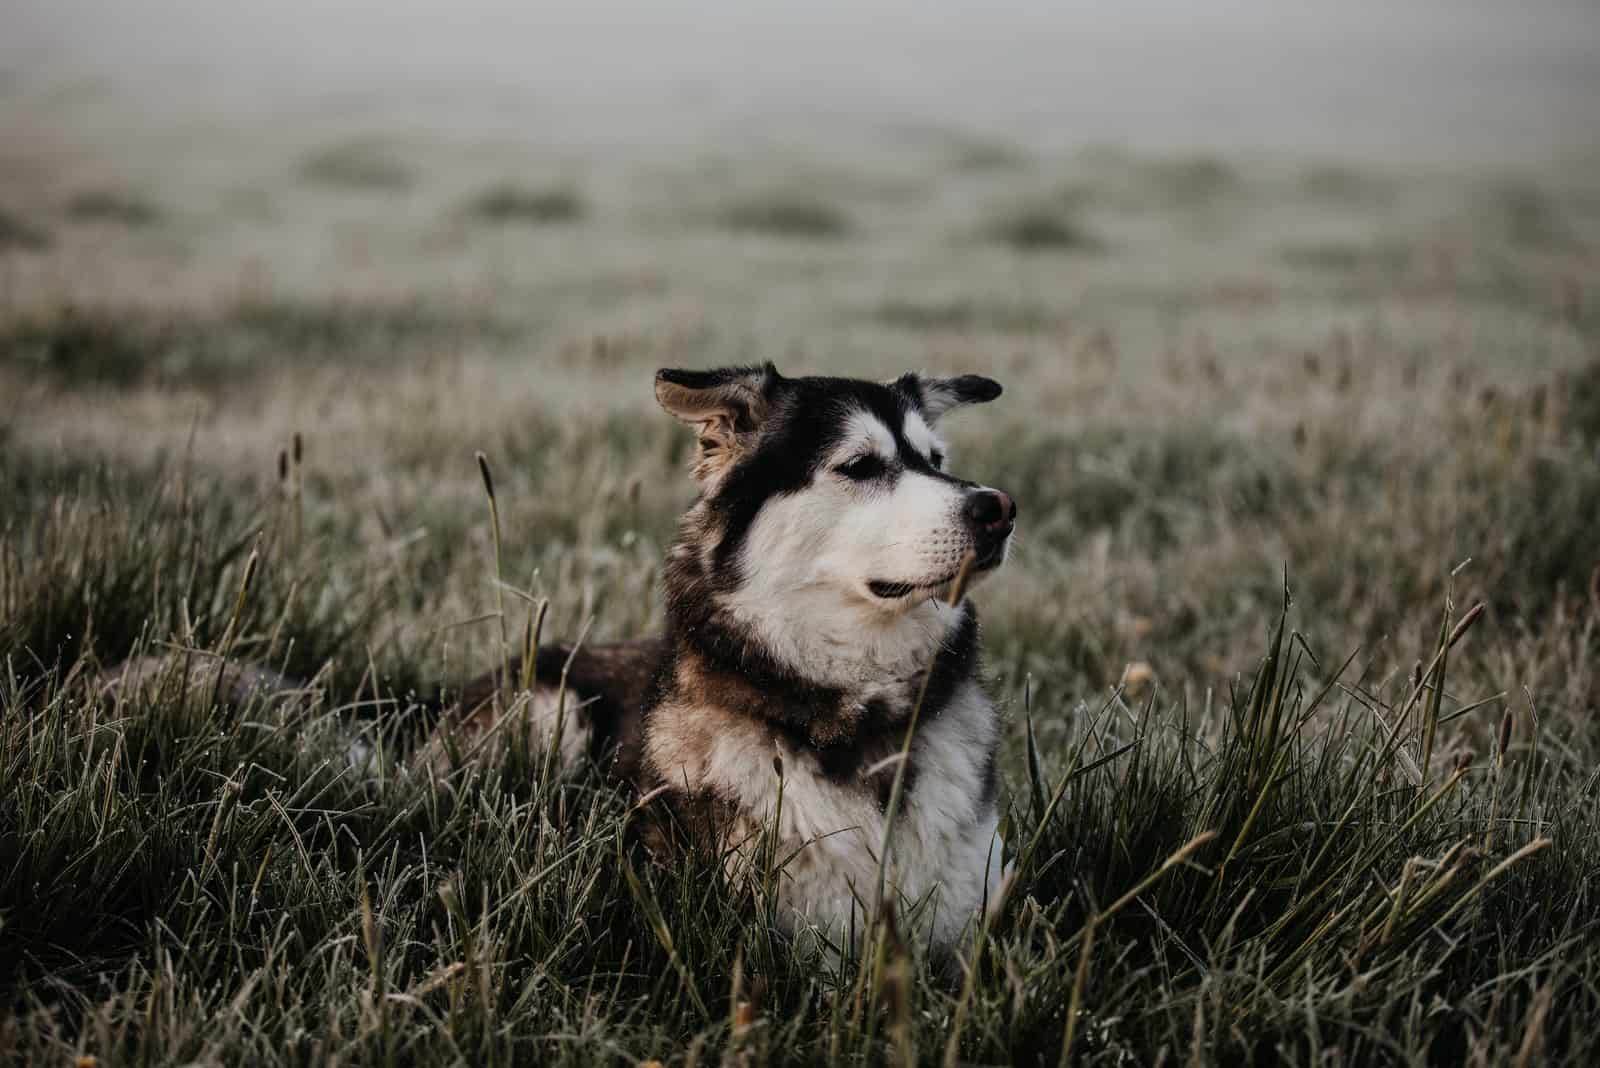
(944, 850)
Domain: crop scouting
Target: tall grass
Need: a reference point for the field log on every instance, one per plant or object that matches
(1309, 867)
(1238, 829)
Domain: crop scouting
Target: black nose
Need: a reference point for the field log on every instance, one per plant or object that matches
(991, 509)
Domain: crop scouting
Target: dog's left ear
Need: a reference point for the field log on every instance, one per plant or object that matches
(935, 396)
(726, 407)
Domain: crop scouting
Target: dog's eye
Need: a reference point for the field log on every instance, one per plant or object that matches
(936, 458)
(862, 468)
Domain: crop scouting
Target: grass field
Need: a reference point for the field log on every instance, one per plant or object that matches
(1230, 380)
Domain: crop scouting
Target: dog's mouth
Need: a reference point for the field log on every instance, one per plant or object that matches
(894, 591)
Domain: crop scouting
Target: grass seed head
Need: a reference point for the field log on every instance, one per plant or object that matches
(1461, 628)
(483, 470)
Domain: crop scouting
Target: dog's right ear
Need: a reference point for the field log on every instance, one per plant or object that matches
(726, 407)
(935, 396)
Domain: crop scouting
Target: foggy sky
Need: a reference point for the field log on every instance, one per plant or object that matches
(1424, 80)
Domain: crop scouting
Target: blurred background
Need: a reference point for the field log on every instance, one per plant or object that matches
(1270, 284)
(1424, 81)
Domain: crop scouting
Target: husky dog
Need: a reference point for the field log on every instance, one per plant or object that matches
(807, 616)
(809, 622)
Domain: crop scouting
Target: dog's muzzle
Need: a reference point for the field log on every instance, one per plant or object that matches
(991, 516)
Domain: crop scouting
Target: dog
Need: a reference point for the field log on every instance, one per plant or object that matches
(808, 619)
(813, 621)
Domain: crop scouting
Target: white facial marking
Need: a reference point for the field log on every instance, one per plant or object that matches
(864, 433)
(810, 561)
(922, 437)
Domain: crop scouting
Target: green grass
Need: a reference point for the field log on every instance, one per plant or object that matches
(787, 215)
(1386, 387)
(17, 233)
(191, 882)
(112, 206)
(127, 348)
(358, 165)
(960, 315)
(1043, 230)
(1192, 179)
(516, 204)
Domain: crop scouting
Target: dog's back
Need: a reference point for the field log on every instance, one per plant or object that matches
(604, 692)
(596, 691)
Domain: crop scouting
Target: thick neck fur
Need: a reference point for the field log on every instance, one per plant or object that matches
(829, 677)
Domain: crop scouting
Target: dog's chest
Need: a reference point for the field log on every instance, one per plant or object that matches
(830, 811)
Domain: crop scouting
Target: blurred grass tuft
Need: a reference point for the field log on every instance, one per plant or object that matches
(518, 204)
(18, 233)
(111, 206)
(784, 215)
(1044, 230)
(357, 165)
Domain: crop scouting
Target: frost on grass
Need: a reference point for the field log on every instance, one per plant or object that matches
(1321, 379)
(1312, 848)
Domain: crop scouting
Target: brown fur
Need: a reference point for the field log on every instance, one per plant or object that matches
(606, 683)
(840, 740)
(725, 417)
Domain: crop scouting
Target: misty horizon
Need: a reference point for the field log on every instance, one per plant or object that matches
(1428, 83)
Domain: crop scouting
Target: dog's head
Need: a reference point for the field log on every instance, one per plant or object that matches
(833, 495)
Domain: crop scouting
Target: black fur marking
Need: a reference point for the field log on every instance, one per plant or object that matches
(957, 662)
(910, 384)
(935, 396)
(808, 417)
(800, 708)
(882, 730)
(846, 763)
(793, 698)
(990, 779)
(972, 389)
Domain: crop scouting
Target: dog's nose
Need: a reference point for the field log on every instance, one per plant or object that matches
(990, 510)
